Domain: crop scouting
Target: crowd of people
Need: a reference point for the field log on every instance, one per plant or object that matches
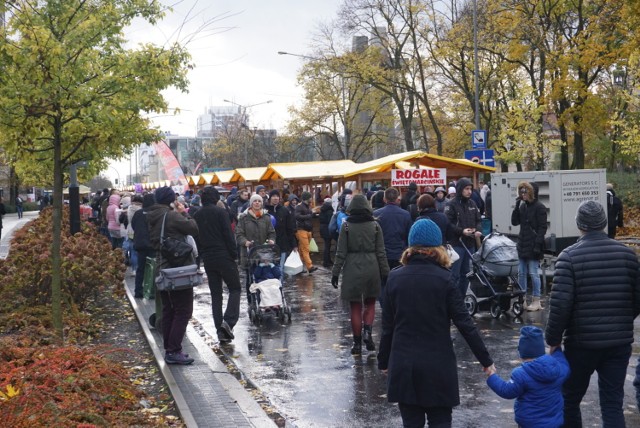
(390, 248)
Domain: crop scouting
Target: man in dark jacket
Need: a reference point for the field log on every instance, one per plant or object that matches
(285, 227)
(594, 300)
(141, 242)
(465, 224)
(614, 211)
(217, 249)
(395, 224)
(531, 215)
(239, 204)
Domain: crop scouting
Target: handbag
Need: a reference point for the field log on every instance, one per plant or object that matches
(175, 251)
(179, 278)
(313, 246)
(293, 265)
(453, 255)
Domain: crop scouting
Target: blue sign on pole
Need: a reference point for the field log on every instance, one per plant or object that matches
(479, 139)
(482, 157)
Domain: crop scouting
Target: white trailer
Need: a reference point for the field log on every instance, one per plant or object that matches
(560, 191)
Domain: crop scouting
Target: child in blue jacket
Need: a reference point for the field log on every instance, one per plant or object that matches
(536, 384)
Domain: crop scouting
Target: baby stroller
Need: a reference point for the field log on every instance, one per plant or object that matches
(267, 295)
(493, 279)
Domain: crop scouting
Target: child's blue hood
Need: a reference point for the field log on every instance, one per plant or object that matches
(545, 369)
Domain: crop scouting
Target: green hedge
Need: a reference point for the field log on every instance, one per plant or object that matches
(627, 187)
(27, 206)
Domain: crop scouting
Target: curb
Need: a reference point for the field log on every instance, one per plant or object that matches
(176, 393)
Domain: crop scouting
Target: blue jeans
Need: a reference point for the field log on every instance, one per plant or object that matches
(19, 209)
(530, 267)
(460, 269)
(611, 365)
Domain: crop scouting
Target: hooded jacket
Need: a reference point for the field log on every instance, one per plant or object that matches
(112, 217)
(462, 213)
(360, 255)
(537, 388)
(303, 216)
(531, 216)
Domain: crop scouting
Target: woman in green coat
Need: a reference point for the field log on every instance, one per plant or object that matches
(363, 262)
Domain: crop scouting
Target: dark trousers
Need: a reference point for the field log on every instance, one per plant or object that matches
(414, 416)
(461, 268)
(223, 269)
(393, 263)
(611, 365)
(142, 262)
(177, 308)
(326, 237)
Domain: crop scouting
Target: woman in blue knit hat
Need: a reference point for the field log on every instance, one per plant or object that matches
(415, 349)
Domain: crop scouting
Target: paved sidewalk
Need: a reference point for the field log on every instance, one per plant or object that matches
(206, 394)
(11, 223)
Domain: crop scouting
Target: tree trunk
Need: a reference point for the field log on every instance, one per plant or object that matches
(56, 262)
(578, 144)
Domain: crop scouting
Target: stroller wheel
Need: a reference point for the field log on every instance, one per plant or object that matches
(252, 315)
(471, 303)
(517, 308)
(152, 320)
(287, 311)
(495, 309)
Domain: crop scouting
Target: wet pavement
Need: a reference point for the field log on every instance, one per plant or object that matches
(306, 372)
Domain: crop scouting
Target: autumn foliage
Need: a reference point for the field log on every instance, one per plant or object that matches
(74, 385)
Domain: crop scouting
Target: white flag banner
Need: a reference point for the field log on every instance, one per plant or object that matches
(420, 176)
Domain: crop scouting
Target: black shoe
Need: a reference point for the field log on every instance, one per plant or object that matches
(225, 332)
(356, 349)
(178, 358)
(313, 269)
(367, 339)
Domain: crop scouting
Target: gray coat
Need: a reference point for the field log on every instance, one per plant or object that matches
(362, 260)
(250, 228)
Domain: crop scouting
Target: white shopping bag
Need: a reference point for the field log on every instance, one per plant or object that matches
(293, 265)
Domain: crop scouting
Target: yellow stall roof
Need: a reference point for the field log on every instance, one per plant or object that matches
(248, 174)
(307, 170)
(413, 158)
(205, 178)
(223, 177)
(192, 180)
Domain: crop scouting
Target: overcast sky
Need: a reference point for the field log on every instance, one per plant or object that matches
(236, 57)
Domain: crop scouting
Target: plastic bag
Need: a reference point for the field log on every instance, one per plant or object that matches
(293, 265)
(453, 255)
(313, 246)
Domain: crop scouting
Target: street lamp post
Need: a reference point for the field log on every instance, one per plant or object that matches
(243, 121)
(345, 128)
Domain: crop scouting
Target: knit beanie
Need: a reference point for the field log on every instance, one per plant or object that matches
(531, 344)
(591, 216)
(255, 197)
(259, 188)
(413, 186)
(195, 201)
(305, 196)
(452, 190)
(165, 195)
(425, 233)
